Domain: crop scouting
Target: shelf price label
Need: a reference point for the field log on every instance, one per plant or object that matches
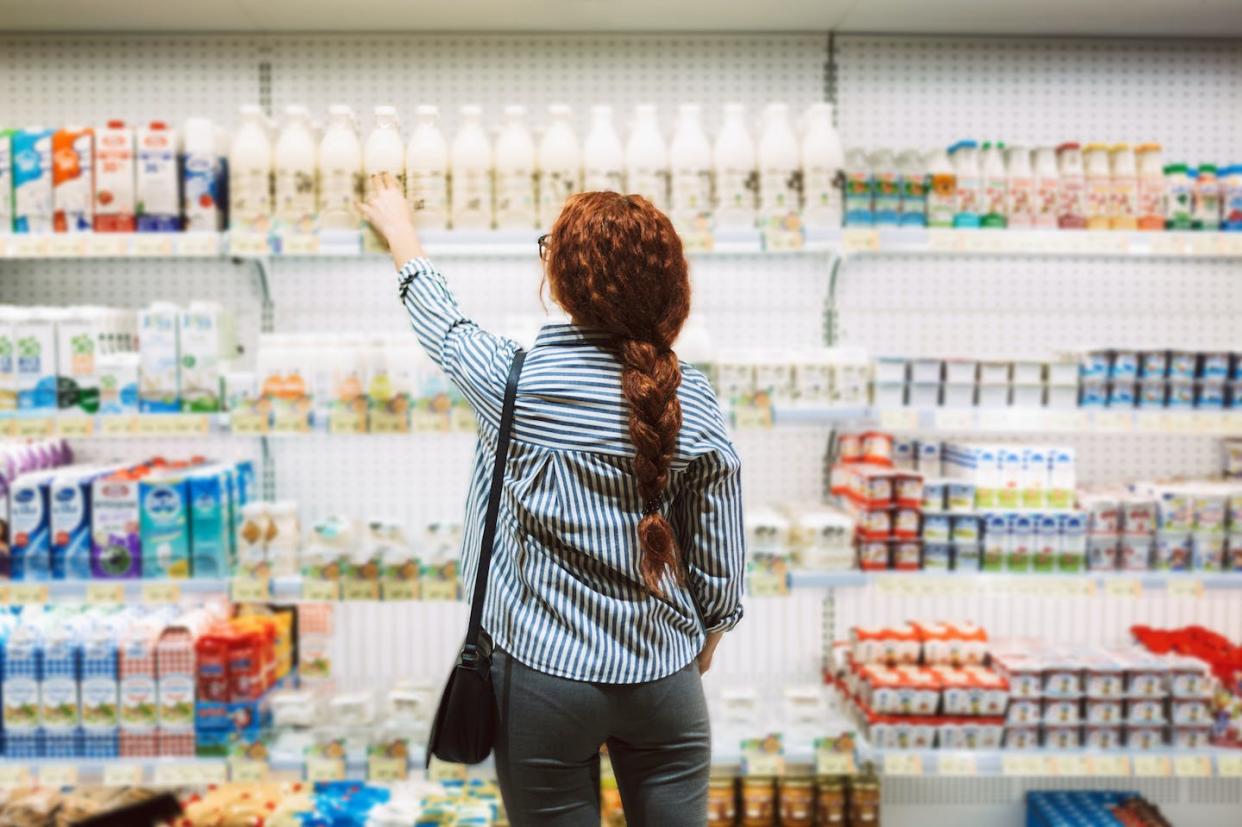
(325, 769)
(12, 777)
(245, 423)
(400, 589)
(899, 419)
(122, 774)
(121, 425)
(1192, 766)
(249, 590)
(1229, 766)
(444, 771)
(386, 770)
(1025, 765)
(903, 763)
(1180, 586)
(74, 427)
(1070, 765)
(951, 420)
(1110, 766)
(198, 244)
(247, 771)
(1152, 766)
(829, 760)
(58, 776)
(34, 428)
(28, 594)
(354, 588)
(152, 244)
(320, 591)
(161, 593)
(1122, 587)
(956, 765)
(106, 593)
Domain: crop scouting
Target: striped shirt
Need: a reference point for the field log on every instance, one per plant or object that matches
(565, 594)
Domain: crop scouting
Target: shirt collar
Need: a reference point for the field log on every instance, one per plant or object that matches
(567, 334)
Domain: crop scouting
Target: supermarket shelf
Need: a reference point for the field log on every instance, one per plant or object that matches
(32, 425)
(154, 591)
(1188, 584)
(1208, 762)
(1043, 243)
(1045, 420)
(112, 772)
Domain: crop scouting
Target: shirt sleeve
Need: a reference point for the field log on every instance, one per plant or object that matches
(707, 516)
(476, 361)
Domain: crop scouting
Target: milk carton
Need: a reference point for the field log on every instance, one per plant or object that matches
(70, 524)
(158, 188)
(32, 180)
(8, 366)
(30, 526)
(118, 383)
(34, 342)
(205, 336)
(59, 706)
(73, 165)
(137, 696)
(116, 548)
(164, 524)
(99, 694)
(175, 683)
(78, 333)
(158, 389)
(202, 178)
(211, 521)
(23, 662)
(114, 178)
(6, 181)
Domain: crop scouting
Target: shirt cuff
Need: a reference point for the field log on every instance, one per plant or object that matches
(414, 267)
(725, 623)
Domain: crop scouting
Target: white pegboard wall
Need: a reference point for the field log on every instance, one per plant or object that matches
(931, 91)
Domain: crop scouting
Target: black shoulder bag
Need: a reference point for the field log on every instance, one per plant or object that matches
(465, 725)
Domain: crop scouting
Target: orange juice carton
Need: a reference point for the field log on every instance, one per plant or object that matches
(73, 167)
(114, 179)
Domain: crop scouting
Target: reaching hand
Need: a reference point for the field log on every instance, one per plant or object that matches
(389, 214)
(709, 649)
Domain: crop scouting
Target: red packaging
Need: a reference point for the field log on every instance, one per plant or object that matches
(212, 652)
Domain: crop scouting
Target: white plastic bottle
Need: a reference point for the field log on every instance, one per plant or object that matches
(737, 172)
(470, 173)
(780, 165)
(941, 190)
(515, 173)
(427, 171)
(913, 179)
(885, 188)
(822, 161)
(1099, 187)
(995, 186)
(560, 164)
(295, 172)
(1071, 198)
(1020, 203)
(1047, 187)
(965, 155)
(646, 158)
(250, 173)
(1123, 201)
(603, 158)
(340, 172)
(690, 165)
(1151, 192)
(201, 173)
(383, 152)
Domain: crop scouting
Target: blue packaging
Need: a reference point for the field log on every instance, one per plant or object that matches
(1094, 393)
(211, 521)
(1183, 364)
(1125, 365)
(1211, 394)
(30, 526)
(70, 498)
(164, 525)
(1121, 395)
(1152, 393)
(32, 180)
(1095, 364)
(1154, 364)
(1181, 393)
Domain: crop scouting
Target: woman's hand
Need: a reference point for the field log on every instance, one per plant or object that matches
(709, 649)
(389, 214)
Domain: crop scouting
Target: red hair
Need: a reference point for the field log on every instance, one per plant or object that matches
(616, 264)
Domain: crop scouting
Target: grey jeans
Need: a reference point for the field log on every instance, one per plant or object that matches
(549, 731)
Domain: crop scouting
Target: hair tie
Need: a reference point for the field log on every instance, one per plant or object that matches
(652, 506)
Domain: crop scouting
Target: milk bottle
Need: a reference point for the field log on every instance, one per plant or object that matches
(158, 184)
(1150, 187)
(114, 178)
(32, 180)
(737, 175)
(1099, 186)
(1047, 187)
(427, 171)
(913, 189)
(822, 161)
(1123, 209)
(603, 159)
(340, 171)
(646, 158)
(885, 188)
(383, 152)
(689, 155)
(294, 161)
(250, 173)
(470, 165)
(995, 186)
(965, 155)
(201, 173)
(515, 173)
(560, 164)
(1071, 207)
(858, 201)
(1020, 191)
(72, 177)
(779, 170)
(942, 189)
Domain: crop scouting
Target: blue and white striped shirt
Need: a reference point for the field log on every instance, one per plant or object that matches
(566, 596)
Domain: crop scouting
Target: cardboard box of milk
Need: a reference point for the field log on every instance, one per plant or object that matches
(30, 526)
(70, 498)
(6, 181)
(32, 180)
(211, 521)
(158, 386)
(114, 178)
(205, 335)
(8, 366)
(158, 185)
(116, 547)
(118, 383)
(164, 524)
(77, 341)
(34, 346)
(73, 174)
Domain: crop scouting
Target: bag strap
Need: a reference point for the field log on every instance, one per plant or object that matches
(470, 649)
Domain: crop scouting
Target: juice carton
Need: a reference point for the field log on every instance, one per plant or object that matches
(205, 336)
(60, 713)
(23, 671)
(175, 681)
(137, 693)
(30, 526)
(211, 521)
(34, 340)
(70, 497)
(73, 166)
(8, 368)
(158, 188)
(32, 180)
(118, 383)
(164, 524)
(77, 336)
(6, 181)
(100, 694)
(116, 547)
(202, 178)
(159, 388)
(114, 179)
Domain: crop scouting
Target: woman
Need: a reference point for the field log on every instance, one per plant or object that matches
(619, 549)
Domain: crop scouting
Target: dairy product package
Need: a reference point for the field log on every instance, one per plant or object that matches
(30, 526)
(646, 157)
(32, 180)
(158, 185)
(100, 693)
(427, 171)
(118, 383)
(6, 181)
(294, 160)
(211, 521)
(515, 173)
(34, 342)
(164, 524)
(339, 162)
(78, 333)
(114, 178)
(382, 152)
(158, 390)
(205, 336)
(202, 178)
(73, 173)
(23, 653)
(736, 169)
(250, 173)
(59, 708)
(560, 164)
(603, 157)
(8, 367)
(70, 498)
(116, 547)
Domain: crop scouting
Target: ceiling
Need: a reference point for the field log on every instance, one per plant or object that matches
(1150, 18)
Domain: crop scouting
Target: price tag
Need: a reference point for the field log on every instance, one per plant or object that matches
(28, 246)
(856, 240)
(347, 422)
(1229, 766)
(246, 771)
(831, 762)
(12, 777)
(400, 589)
(1070, 765)
(952, 420)
(746, 415)
(763, 763)
(1210, 422)
(1182, 586)
(122, 774)
(160, 593)
(118, 425)
(439, 589)
(959, 765)
(248, 244)
(1122, 587)
(198, 244)
(36, 428)
(383, 422)
(75, 427)
(1152, 766)
(58, 776)
(249, 590)
(298, 244)
(899, 419)
(244, 423)
(152, 244)
(105, 593)
(1024, 765)
(1067, 420)
(171, 775)
(325, 769)
(1110, 766)
(443, 771)
(1114, 420)
(383, 769)
(353, 588)
(107, 245)
(28, 594)
(320, 591)
(1192, 766)
(67, 245)
(903, 763)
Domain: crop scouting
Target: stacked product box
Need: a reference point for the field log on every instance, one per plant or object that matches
(885, 502)
(1178, 379)
(1097, 808)
(951, 531)
(811, 378)
(1066, 698)
(963, 383)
